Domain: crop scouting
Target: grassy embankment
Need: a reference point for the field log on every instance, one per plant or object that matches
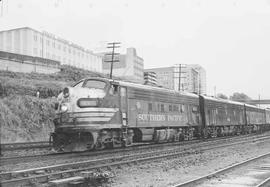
(23, 116)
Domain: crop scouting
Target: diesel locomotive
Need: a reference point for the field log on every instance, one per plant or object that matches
(98, 113)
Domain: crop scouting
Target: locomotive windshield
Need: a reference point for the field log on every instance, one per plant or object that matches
(96, 84)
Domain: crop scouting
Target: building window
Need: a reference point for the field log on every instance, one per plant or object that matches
(35, 51)
(35, 38)
(53, 44)
(48, 43)
(59, 46)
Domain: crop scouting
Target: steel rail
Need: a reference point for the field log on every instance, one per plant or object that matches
(112, 162)
(193, 182)
(264, 183)
(24, 145)
(17, 159)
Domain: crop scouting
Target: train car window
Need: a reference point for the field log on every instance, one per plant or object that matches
(162, 108)
(175, 108)
(158, 107)
(150, 107)
(94, 84)
(195, 109)
(170, 108)
(182, 108)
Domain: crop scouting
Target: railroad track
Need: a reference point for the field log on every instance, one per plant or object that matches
(255, 172)
(24, 145)
(46, 174)
(139, 147)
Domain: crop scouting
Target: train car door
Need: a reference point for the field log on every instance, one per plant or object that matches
(123, 104)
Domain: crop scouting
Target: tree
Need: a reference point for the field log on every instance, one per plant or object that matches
(222, 96)
(239, 97)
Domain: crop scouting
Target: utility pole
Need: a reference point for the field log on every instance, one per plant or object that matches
(2, 4)
(259, 100)
(112, 45)
(177, 74)
(179, 87)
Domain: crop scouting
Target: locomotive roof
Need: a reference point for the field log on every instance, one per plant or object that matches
(231, 102)
(223, 100)
(146, 87)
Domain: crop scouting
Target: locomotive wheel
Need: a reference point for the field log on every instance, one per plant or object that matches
(99, 146)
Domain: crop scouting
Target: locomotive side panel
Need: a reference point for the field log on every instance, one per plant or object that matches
(267, 115)
(255, 116)
(224, 114)
(222, 117)
(148, 109)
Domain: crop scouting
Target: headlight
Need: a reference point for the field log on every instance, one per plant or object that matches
(66, 92)
(64, 108)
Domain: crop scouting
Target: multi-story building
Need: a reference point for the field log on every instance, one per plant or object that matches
(202, 77)
(27, 41)
(183, 77)
(150, 78)
(129, 66)
(165, 76)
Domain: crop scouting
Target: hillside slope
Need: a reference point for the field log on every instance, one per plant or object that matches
(23, 116)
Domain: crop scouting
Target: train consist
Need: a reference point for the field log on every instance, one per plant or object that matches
(98, 113)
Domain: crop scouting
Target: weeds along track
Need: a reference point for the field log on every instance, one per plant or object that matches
(255, 171)
(5, 160)
(48, 173)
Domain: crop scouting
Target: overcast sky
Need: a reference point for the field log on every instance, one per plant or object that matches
(229, 38)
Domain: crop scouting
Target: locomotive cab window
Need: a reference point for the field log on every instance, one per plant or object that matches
(78, 84)
(94, 84)
(114, 89)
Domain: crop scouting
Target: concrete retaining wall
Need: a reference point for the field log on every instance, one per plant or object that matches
(27, 67)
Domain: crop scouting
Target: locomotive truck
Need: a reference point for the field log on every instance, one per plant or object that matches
(98, 113)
